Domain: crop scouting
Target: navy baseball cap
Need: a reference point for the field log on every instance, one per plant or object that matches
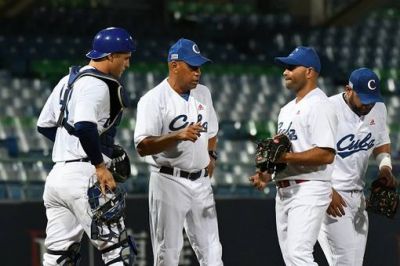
(301, 56)
(187, 51)
(366, 84)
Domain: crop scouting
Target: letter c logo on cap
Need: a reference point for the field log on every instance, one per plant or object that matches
(371, 85)
(195, 49)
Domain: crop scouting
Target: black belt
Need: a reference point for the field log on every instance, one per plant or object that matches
(192, 176)
(78, 160)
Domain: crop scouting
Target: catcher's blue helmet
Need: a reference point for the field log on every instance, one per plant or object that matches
(111, 40)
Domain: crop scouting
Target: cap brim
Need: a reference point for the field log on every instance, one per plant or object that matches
(286, 61)
(93, 54)
(368, 98)
(196, 60)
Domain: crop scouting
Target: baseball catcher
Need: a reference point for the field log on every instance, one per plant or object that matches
(81, 117)
(383, 199)
(269, 150)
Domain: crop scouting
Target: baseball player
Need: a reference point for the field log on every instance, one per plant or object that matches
(361, 132)
(80, 117)
(177, 125)
(303, 187)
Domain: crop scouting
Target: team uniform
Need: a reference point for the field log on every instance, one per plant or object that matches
(81, 117)
(65, 195)
(180, 192)
(304, 191)
(343, 239)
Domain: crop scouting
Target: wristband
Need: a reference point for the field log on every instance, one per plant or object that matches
(383, 159)
(213, 154)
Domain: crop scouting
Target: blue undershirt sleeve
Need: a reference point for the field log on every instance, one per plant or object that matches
(90, 140)
(48, 132)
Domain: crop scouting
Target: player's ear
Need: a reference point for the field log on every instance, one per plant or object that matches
(110, 57)
(174, 66)
(348, 89)
(310, 72)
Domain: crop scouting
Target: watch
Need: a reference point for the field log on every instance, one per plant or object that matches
(213, 154)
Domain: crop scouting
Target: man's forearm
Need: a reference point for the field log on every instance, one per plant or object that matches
(212, 144)
(156, 144)
(315, 156)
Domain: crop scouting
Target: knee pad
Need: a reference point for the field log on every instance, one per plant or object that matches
(69, 257)
(128, 250)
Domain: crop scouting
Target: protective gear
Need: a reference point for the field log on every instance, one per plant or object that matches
(111, 40)
(120, 164)
(70, 257)
(107, 211)
(118, 101)
(383, 200)
(269, 150)
(128, 251)
(107, 215)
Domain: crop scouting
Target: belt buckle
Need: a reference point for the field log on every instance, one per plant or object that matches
(193, 175)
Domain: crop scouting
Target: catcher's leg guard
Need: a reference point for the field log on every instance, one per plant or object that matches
(128, 250)
(69, 257)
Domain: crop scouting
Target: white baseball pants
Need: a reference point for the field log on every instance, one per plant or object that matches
(175, 204)
(300, 209)
(67, 210)
(343, 239)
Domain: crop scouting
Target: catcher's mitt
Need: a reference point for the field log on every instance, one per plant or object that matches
(383, 200)
(120, 166)
(271, 149)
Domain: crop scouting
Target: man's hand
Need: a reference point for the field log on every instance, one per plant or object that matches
(260, 180)
(386, 176)
(191, 132)
(105, 178)
(336, 207)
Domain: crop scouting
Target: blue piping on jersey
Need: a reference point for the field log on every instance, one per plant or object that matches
(185, 96)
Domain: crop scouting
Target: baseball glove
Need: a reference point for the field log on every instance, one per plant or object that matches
(269, 150)
(383, 200)
(120, 166)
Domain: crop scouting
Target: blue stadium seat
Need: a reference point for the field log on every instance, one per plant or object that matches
(34, 190)
(15, 190)
(3, 190)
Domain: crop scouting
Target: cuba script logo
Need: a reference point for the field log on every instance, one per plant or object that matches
(290, 132)
(349, 145)
(180, 122)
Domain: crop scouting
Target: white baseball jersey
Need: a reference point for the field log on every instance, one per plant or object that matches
(355, 140)
(162, 110)
(308, 123)
(90, 102)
